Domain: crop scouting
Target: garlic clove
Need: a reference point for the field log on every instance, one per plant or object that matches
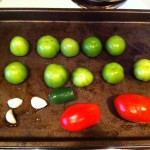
(10, 117)
(38, 103)
(14, 102)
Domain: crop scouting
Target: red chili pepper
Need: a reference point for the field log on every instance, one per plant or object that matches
(133, 107)
(80, 116)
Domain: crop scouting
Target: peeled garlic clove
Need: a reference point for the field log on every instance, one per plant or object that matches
(14, 102)
(38, 102)
(10, 117)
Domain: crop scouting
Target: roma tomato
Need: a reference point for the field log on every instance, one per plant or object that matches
(80, 116)
(133, 107)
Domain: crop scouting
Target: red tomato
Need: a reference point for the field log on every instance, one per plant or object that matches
(80, 116)
(133, 107)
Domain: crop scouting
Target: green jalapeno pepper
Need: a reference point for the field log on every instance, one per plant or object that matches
(61, 95)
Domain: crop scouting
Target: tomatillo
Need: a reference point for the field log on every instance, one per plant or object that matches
(15, 72)
(82, 77)
(92, 46)
(47, 46)
(55, 75)
(115, 45)
(19, 46)
(113, 73)
(69, 47)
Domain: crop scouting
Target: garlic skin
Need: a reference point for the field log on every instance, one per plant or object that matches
(38, 103)
(14, 102)
(10, 117)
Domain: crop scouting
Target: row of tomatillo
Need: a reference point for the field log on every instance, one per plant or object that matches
(48, 46)
(56, 75)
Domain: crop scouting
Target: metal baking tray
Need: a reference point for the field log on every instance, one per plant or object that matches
(41, 128)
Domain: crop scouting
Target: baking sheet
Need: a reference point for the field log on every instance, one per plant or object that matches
(43, 125)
